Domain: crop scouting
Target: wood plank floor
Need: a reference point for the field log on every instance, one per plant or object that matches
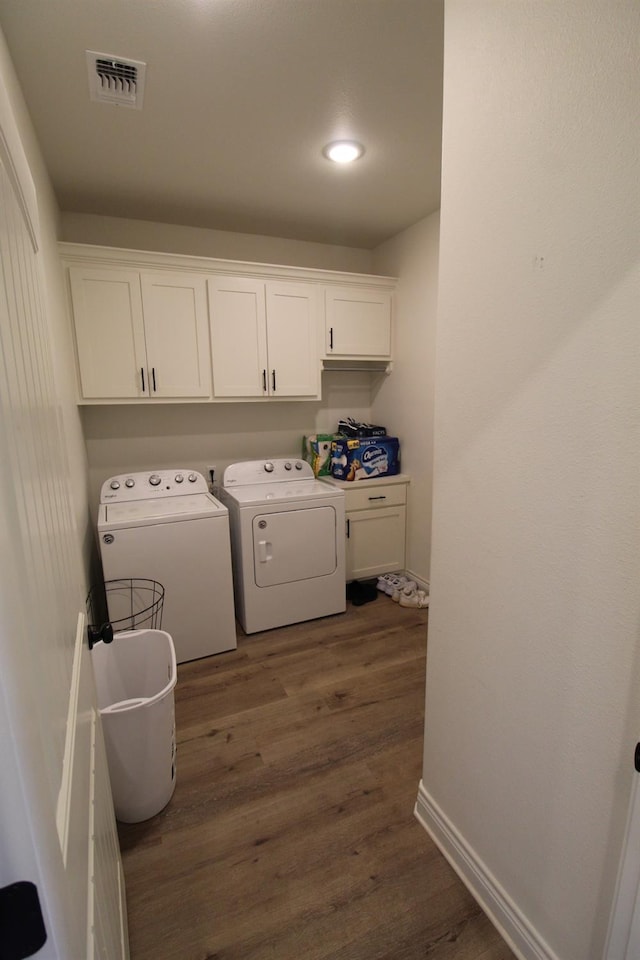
(291, 832)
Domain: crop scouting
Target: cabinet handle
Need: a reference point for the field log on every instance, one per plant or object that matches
(264, 381)
(273, 380)
(142, 376)
(330, 338)
(348, 528)
(378, 498)
(153, 375)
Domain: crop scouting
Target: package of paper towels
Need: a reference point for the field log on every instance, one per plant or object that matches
(359, 458)
(316, 450)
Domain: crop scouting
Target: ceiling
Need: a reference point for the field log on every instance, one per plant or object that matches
(240, 98)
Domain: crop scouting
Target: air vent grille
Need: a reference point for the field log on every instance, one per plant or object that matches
(116, 80)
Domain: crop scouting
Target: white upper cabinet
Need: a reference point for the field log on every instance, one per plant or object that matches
(292, 339)
(238, 337)
(357, 322)
(154, 326)
(176, 325)
(264, 338)
(140, 335)
(107, 311)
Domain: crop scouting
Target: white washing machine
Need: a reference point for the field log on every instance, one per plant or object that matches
(166, 526)
(287, 542)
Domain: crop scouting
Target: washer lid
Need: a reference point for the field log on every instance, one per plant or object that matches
(136, 513)
(258, 493)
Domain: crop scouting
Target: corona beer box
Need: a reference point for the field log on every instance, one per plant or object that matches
(359, 458)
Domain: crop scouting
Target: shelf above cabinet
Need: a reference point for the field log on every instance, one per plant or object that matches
(356, 366)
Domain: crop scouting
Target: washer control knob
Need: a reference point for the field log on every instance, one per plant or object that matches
(115, 484)
(298, 465)
(193, 477)
(179, 478)
(268, 466)
(287, 465)
(155, 480)
(129, 482)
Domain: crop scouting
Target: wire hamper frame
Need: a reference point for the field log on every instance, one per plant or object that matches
(117, 606)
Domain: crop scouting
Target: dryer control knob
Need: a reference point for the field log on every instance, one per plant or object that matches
(298, 465)
(193, 477)
(268, 466)
(155, 480)
(179, 478)
(129, 482)
(115, 484)
(287, 465)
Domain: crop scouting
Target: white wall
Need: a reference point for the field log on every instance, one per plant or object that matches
(200, 242)
(129, 438)
(55, 301)
(404, 401)
(533, 678)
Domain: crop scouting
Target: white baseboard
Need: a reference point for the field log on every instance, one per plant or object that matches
(508, 919)
(420, 583)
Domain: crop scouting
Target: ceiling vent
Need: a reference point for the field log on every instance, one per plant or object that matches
(116, 80)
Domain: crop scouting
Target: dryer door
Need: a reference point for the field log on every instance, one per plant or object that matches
(294, 545)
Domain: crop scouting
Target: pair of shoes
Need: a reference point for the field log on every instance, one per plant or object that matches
(386, 580)
(404, 586)
(389, 583)
(414, 598)
(382, 582)
(360, 592)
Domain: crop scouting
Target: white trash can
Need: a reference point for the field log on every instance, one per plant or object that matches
(135, 678)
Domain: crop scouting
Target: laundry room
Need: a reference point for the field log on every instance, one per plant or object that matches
(226, 226)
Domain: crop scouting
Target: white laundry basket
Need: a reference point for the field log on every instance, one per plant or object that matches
(135, 677)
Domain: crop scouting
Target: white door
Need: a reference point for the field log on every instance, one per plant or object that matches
(107, 312)
(375, 541)
(238, 337)
(57, 829)
(294, 365)
(294, 545)
(624, 928)
(176, 325)
(358, 322)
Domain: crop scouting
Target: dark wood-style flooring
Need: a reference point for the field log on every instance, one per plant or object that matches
(291, 831)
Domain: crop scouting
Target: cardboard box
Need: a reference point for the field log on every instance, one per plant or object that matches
(360, 458)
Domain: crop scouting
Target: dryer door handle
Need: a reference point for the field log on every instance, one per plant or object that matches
(265, 551)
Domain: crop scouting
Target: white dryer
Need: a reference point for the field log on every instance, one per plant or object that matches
(166, 526)
(287, 543)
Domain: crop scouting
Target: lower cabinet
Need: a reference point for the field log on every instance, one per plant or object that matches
(375, 512)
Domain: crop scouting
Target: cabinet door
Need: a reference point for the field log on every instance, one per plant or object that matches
(294, 364)
(176, 324)
(357, 322)
(107, 312)
(238, 337)
(375, 542)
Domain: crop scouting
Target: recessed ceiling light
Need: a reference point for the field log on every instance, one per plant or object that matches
(343, 151)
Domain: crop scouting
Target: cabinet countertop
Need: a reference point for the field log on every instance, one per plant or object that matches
(371, 482)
